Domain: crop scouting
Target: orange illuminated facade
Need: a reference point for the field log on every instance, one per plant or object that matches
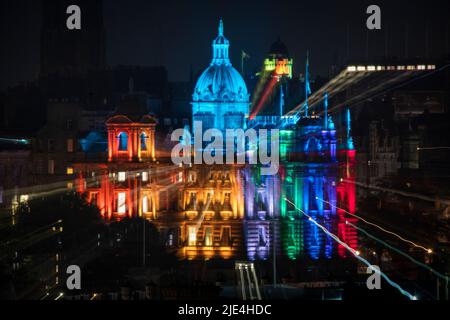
(197, 209)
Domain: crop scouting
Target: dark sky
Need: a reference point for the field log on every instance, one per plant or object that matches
(178, 34)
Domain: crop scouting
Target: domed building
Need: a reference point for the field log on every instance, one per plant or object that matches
(220, 99)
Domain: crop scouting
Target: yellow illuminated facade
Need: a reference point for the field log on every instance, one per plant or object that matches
(212, 211)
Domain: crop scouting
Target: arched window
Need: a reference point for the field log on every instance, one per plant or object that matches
(143, 141)
(123, 141)
(312, 145)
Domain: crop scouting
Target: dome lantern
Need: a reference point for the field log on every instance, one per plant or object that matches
(220, 48)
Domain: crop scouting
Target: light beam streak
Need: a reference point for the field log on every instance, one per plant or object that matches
(400, 192)
(438, 274)
(431, 148)
(355, 253)
(379, 227)
(273, 81)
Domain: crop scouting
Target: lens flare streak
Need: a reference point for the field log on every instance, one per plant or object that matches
(355, 253)
(379, 227)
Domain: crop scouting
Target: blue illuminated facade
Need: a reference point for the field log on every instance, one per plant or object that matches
(220, 99)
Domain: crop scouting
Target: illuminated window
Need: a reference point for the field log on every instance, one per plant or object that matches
(262, 236)
(69, 185)
(208, 198)
(192, 236)
(122, 176)
(191, 177)
(145, 176)
(170, 239)
(192, 199)
(143, 141)
(208, 236)
(69, 145)
(94, 198)
(123, 141)
(69, 170)
(226, 237)
(23, 198)
(51, 166)
(226, 197)
(145, 204)
(121, 198)
(291, 235)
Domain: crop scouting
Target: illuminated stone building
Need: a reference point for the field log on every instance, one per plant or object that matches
(212, 201)
(226, 211)
(127, 181)
(198, 209)
(220, 99)
(212, 206)
(317, 176)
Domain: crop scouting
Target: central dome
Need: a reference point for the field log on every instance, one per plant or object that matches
(220, 81)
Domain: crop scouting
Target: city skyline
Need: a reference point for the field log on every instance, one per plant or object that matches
(224, 151)
(151, 34)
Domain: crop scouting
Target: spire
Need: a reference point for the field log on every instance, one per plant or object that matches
(325, 103)
(220, 28)
(350, 145)
(307, 86)
(281, 100)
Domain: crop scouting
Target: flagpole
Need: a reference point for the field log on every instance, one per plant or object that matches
(306, 83)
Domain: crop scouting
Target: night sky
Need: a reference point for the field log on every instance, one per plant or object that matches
(178, 34)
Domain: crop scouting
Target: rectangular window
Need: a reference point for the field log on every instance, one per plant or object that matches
(262, 236)
(291, 236)
(69, 145)
(208, 236)
(145, 204)
(122, 176)
(192, 177)
(69, 170)
(69, 124)
(170, 239)
(144, 176)
(94, 198)
(192, 236)
(51, 166)
(51, 145)
(121, 202)
(226, 237)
